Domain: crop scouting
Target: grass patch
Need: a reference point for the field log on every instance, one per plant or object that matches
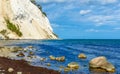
(13, 28)
(55, 35)
(3, 32)
(44, 14)
(33, 1)
(40, 7)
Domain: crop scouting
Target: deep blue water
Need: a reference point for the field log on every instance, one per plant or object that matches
(70, 49)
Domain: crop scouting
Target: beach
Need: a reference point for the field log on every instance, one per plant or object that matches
(61, 56)
(22, 67)
(9, 64)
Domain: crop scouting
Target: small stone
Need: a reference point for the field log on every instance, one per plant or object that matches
(31, 53)
(82, 56)
(73, 65)
(25, 50)
(67, 69)
(10, 70)
(30, 47)
(61, 59)
(60, 70)
(62, 67)
(3, 70)
(48, 64)
(29, 56)
(52, 57)
(21, 54)
(15, 49)
(19, 72)
(34, 56)
(42, 59)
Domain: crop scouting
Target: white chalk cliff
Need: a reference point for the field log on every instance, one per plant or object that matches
(21, 19)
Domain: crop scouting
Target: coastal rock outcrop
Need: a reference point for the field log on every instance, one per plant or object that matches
(52, 57)
(101, 63)
(82, 56)
(21, 19)
(60, 59)
(73, 65)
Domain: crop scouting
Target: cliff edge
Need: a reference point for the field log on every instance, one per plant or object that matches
(21, 19)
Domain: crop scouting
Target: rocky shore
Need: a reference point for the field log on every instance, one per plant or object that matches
(15, 59)
(8, 64)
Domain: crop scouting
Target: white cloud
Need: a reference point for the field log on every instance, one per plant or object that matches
(107, 1)
(97, 13)
(91, 30)
(117, 28)
(47, 1)
(55, 25)
(68, 7)
(83, 12)
(100, 30)
(102, 19)
(80, 1)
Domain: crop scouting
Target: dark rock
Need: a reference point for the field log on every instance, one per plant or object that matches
(31, 53)
(30, 47)
(15, 49)
(48, 64)
(42, 59)
(21, 54)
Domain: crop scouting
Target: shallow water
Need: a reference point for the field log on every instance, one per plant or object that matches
(70, 49)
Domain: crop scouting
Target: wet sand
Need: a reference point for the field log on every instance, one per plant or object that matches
(22, 67)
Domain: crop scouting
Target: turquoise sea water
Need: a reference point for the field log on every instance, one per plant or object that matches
(70, 49)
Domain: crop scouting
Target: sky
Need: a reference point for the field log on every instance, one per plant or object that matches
(83, 19)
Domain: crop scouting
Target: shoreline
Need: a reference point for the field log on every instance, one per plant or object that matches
(8, 60)
(22, 57)
(21, 66)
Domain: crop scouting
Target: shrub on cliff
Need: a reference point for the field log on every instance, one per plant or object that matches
(39, 6)
(13, 28)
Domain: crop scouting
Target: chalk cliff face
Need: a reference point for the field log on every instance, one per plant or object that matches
(21, 19)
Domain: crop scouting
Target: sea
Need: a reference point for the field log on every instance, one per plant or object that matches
(70, 48)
